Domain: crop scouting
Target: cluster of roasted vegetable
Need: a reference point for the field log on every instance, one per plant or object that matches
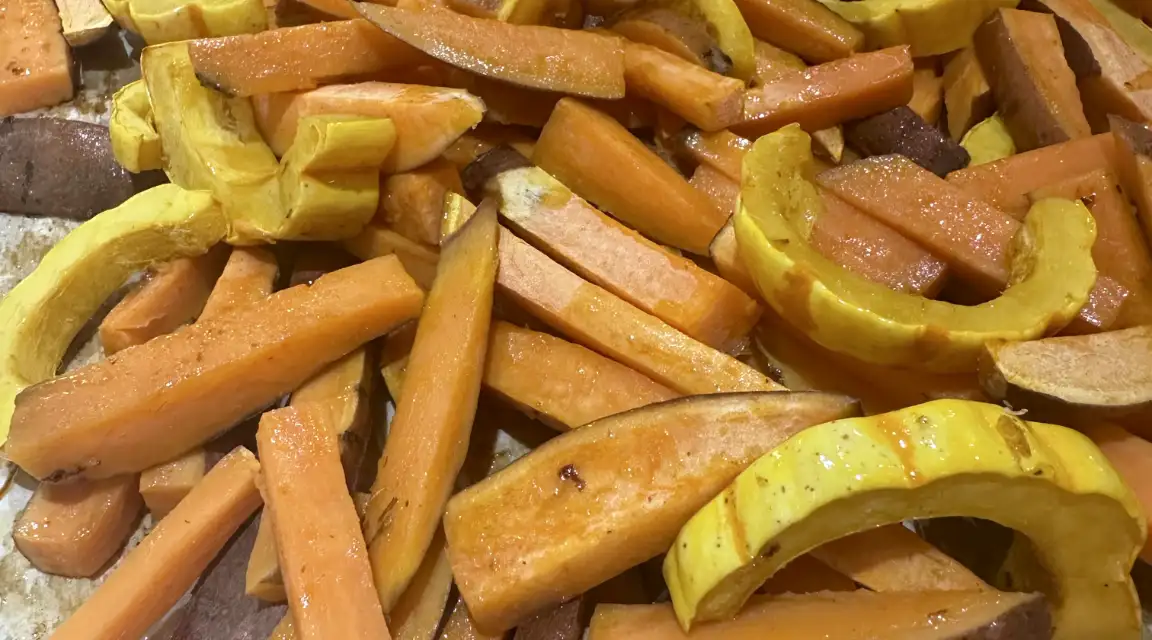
(751, 316)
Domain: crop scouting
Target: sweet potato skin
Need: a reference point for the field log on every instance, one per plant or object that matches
(178, 383)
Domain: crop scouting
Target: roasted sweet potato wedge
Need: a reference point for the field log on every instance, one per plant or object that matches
(1134, 167)
(418, 259)
(581, 501)
(672, 31)
(420, 609)
(412, 203)
(248, 277)
(967, 95)
(927, 95)
(1131, 456)
(708, 100)
(165, 485)
(804, 27)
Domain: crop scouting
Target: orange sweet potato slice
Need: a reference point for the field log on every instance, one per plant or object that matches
(154, 575)
(562, 384)
(927, 95)
(1134, 167)
(427, 119)
(894, 558)
(297, 58)
(1102, 310)
(576, 62)
(806, 575)
(419, 260)
(248, 278)
(830, 93)
(706, 99)
(428, 438)
(164, 486)
(152, 403)
(672, 31)
(418, 612)
(967, 96)
(721, 150)
(804, 27)
(604, 163)
(1131, 456)
(605, 252)
(603, 322)
(321, 549)
(593, 502)
(74, 529)
(1035, 90)
(412, 203)
(1006, 183)
(37, 60)
(172, 295)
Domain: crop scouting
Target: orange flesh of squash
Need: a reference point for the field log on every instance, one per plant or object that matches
(1120, 252)
(593, 502)
(721, 150)
(967, 96)
(894, 558)
(297, 58)
(563, 384)
(803, 27)
(323, 557)
(602, 162)
(1134, 168)
(855, 614)
(418, 612)
(1006, 183)
(418, 259)
(594, 317)
(927, 95)
(546, 58)
(412, 203)
(172, 295)
(828, 94)
(427, 119)
(706, 99)
(1035, 90)
(608, 254)
(154, 402)
(164, 486)
(285, 629)
(248, 278)
(38, 61)
(154, 575)
(428, 438)
(806, 575)
(1131, 456)
(262, 577)
(73, 529)
(667, 30)
(970, 235)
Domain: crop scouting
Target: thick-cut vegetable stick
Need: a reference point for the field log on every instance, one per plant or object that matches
(285, 630)
(37, 59)
(172, 295)
(318, 539)
(428, 438)
(1103, 309)
(73, 529)
(418, 612)
(607, 253)
(1005, 184)
(460, 626)
(171, 557)
(804, 27)
(545, 58)
(831, 93)
(247, 279)
(927, 95)
(262, 578)
(593, 502)
(1134, 167)
(1131, 456)
(418, 260)
(427, 119)
(807, 575)
(164, 486)
(721, 150)
(894, 558)
(153, 403)
(967, 96)
(562, 384)
(598, 159)
(706, 99)
(298, 58)
(773, 64)
(1035, 90)
(601, 321)
(857, 614)
(412, 203)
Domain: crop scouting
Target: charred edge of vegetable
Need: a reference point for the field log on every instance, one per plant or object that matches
(489, 165)
(208, 82)
(1076, 50)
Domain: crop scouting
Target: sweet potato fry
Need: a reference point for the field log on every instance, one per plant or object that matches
(828, 94)
(721, 150)
(262, 577)
(153, 403)
(74, 529)
(248, 278)
(1131, 456)
(607, 253)
(569, 516)
(172, 295)
(1005, 184)
(1035, 90)
(927, 95)
(418, 612)
(603, 163)
(967, 95)
(806, 575)
(672, 31)
(1102, 311)
(418, 260)
(428, 438)
(297, 58)
(412, 203)
(804, 27)
(599, 320)
(894, 558)
(427, 119)
(164, 486)
(546, 58)
(318, 540)
(1134, 167)
(171, 557)
(706, 99)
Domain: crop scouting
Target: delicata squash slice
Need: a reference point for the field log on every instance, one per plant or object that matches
(1051, 273)
(943, 458)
